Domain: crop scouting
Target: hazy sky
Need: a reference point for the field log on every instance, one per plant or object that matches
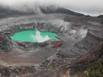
(91, 7)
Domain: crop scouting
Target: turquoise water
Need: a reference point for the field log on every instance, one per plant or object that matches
(33, 36)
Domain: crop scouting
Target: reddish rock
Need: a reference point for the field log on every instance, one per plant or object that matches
(57, 44)
(1, 37)
(29, 25)
(21, 44)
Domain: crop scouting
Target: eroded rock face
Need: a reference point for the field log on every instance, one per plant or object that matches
(82, 52)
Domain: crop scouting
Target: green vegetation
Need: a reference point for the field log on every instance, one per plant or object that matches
(95, 69)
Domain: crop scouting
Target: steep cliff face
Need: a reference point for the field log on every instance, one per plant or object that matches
(7, 12)
(12, 12)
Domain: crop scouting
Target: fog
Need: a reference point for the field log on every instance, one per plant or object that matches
(88, 7)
